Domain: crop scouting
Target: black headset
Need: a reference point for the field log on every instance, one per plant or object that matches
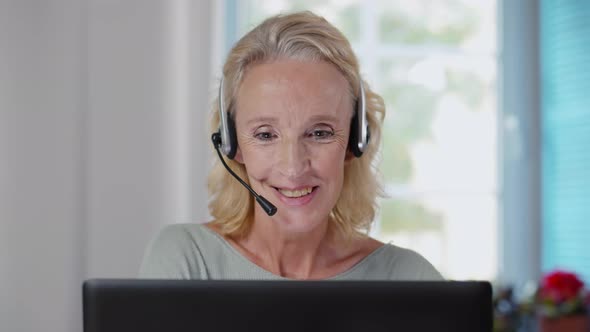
(357, 140)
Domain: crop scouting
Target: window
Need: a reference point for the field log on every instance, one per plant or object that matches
(435, 63)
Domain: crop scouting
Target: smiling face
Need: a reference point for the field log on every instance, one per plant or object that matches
(292, 122)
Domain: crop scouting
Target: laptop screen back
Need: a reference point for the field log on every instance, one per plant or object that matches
(223, 306)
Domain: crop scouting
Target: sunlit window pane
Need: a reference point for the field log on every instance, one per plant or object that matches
(457, 233)
(462, 24)
(434, 104)
(343, 14)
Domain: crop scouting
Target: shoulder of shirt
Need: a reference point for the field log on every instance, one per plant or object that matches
(406, 263)
(177, 252)
(187, 234)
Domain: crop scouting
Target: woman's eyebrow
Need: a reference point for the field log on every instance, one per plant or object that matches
(313, 119)
(265, 119)
(324, 117)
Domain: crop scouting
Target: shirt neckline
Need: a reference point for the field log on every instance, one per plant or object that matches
(243, 258)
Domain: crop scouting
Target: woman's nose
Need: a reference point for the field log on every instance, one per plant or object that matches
(294, 159)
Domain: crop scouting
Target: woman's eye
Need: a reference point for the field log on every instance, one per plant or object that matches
(264, 136)
(322, 133)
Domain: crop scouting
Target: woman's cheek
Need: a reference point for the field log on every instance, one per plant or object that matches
(259, 161)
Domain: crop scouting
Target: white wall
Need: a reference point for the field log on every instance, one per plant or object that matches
(103, 109)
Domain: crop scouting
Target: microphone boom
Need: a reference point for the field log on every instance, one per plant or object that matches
(267, 206)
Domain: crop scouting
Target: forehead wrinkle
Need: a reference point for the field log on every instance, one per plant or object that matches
(330, 99)
(312, 110)
(294, 91)
(290, 111)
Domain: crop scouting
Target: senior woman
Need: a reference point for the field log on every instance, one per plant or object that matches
(302, 129)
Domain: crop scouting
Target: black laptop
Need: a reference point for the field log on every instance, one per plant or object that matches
(113, 305)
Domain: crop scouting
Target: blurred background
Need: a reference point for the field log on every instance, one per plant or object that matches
(104, 107)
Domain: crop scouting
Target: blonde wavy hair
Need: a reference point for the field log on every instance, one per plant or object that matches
(307, 37)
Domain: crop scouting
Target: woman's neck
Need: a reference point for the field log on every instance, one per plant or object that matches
(317, 254)
(305, 255)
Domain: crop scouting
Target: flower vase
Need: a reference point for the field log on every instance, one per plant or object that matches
(576, 323)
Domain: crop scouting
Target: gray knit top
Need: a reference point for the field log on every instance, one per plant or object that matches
(193, 251)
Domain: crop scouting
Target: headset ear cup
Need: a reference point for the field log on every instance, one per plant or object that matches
(353, 136)
(233, 139)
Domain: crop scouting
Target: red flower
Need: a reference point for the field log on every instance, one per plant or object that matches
(561, 286)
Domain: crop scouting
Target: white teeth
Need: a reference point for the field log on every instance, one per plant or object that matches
(296, 193)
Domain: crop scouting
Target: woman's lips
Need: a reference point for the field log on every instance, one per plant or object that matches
(297, 197)
(295, 193)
